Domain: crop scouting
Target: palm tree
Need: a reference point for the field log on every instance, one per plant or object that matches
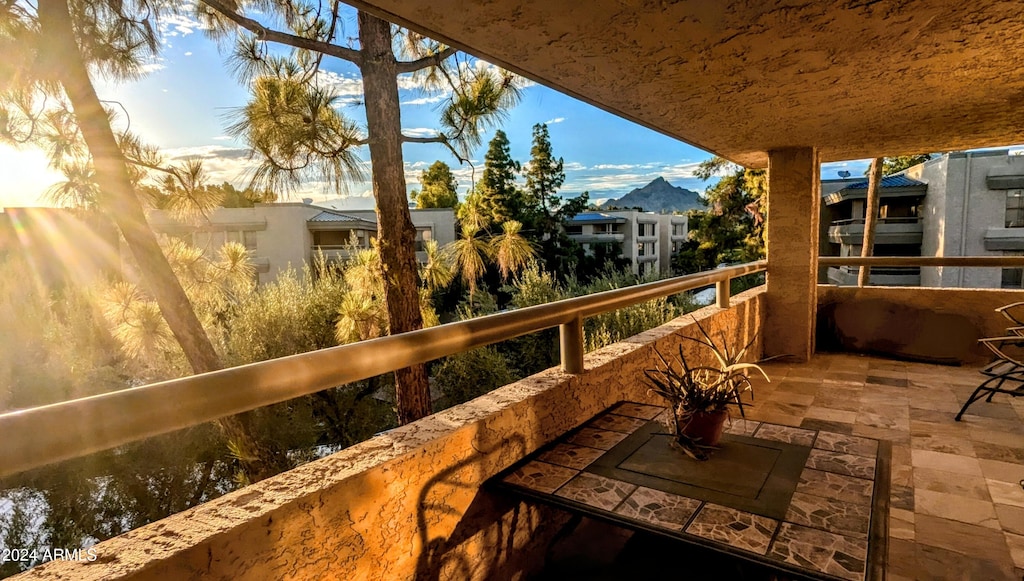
(437, 271)
(511, 251)
(469, 255)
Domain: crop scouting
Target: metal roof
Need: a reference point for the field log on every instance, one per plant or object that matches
(894, 186)
(328, 216)
(894, 181)
(597, 217)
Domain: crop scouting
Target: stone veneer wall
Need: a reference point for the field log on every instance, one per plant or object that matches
(407, 503)
(976, 305)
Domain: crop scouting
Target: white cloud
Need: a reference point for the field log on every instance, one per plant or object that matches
(420, 132)
(189, 53)
(344, 86)
(425, 100)
(179, 24)
(222, 138)
(555, 120)
(152, 67)
(573, 166)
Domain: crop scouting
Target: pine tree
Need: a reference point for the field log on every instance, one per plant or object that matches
(501, 198)
(298, 134)
(438, 188)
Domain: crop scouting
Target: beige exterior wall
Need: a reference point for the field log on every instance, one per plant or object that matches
(660, 244)
(976, 305)
(960, 209)
(282, 238)
(668, 225)
(407, 503)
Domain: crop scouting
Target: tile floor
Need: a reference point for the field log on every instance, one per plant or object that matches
(957, 505)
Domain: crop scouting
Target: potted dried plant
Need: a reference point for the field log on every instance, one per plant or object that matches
(700, 396)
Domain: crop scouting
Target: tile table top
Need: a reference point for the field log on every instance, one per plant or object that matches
(806, 501)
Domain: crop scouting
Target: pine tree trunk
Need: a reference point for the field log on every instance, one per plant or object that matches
(870, 218)
(396, 234)
(117, 199)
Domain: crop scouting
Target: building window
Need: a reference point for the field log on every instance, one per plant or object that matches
(645, 249)
(646, 229)
(338, 238)
(679, 229)
(1015, 209)
(423, 235)
(1013, 277)
(574, 230)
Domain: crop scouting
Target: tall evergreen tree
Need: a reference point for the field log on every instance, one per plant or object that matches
(438, 188)
(732, 228)
(544, 175)
(500, 198)
(297, 133)
(47, 99)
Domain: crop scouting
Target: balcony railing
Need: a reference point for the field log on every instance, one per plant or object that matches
(38, 436)
(952, 261)
(901, 220)
(904, 230)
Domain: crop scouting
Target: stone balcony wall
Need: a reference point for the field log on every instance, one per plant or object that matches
(919, 323)
(407, 503)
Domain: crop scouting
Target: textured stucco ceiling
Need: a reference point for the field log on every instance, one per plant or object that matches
(854, 78)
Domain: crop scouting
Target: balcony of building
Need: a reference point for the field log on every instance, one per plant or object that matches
(763, 84)
(880, 275)
(903, 230)
(415, 502)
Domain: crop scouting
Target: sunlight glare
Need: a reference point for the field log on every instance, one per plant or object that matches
(24, 177)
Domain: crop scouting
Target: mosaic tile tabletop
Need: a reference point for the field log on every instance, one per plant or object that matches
(832, 504)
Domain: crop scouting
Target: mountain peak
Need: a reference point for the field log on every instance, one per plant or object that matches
(659, 196)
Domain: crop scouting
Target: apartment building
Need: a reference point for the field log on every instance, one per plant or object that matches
(646, 239)
(286, 235)
(957, 204)
(63, 244)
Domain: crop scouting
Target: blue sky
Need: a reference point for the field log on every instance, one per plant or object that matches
(181, 104)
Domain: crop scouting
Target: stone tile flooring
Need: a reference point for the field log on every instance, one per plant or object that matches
(957, 506)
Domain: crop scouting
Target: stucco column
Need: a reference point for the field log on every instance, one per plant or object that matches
(792, 246)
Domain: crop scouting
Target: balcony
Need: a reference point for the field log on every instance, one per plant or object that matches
(598, 237)
(880, 275)
(1004, 239)
(887, 231)
(410, 501)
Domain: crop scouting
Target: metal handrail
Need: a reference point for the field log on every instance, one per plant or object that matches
(43, 435)
(965, 261)
(895, 220)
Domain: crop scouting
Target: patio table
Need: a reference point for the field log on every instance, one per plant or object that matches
(810, 503)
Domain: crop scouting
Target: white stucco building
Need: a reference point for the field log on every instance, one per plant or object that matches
(646, 239)
(291, 234)
(957, 204)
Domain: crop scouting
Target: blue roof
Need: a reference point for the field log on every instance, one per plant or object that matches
(327, 216)
(896, 181)
(596, 217)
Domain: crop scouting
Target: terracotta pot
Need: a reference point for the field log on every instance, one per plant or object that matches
(704, 428)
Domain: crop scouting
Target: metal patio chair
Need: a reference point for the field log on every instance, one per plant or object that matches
(1004, 375)
(1014, 312)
